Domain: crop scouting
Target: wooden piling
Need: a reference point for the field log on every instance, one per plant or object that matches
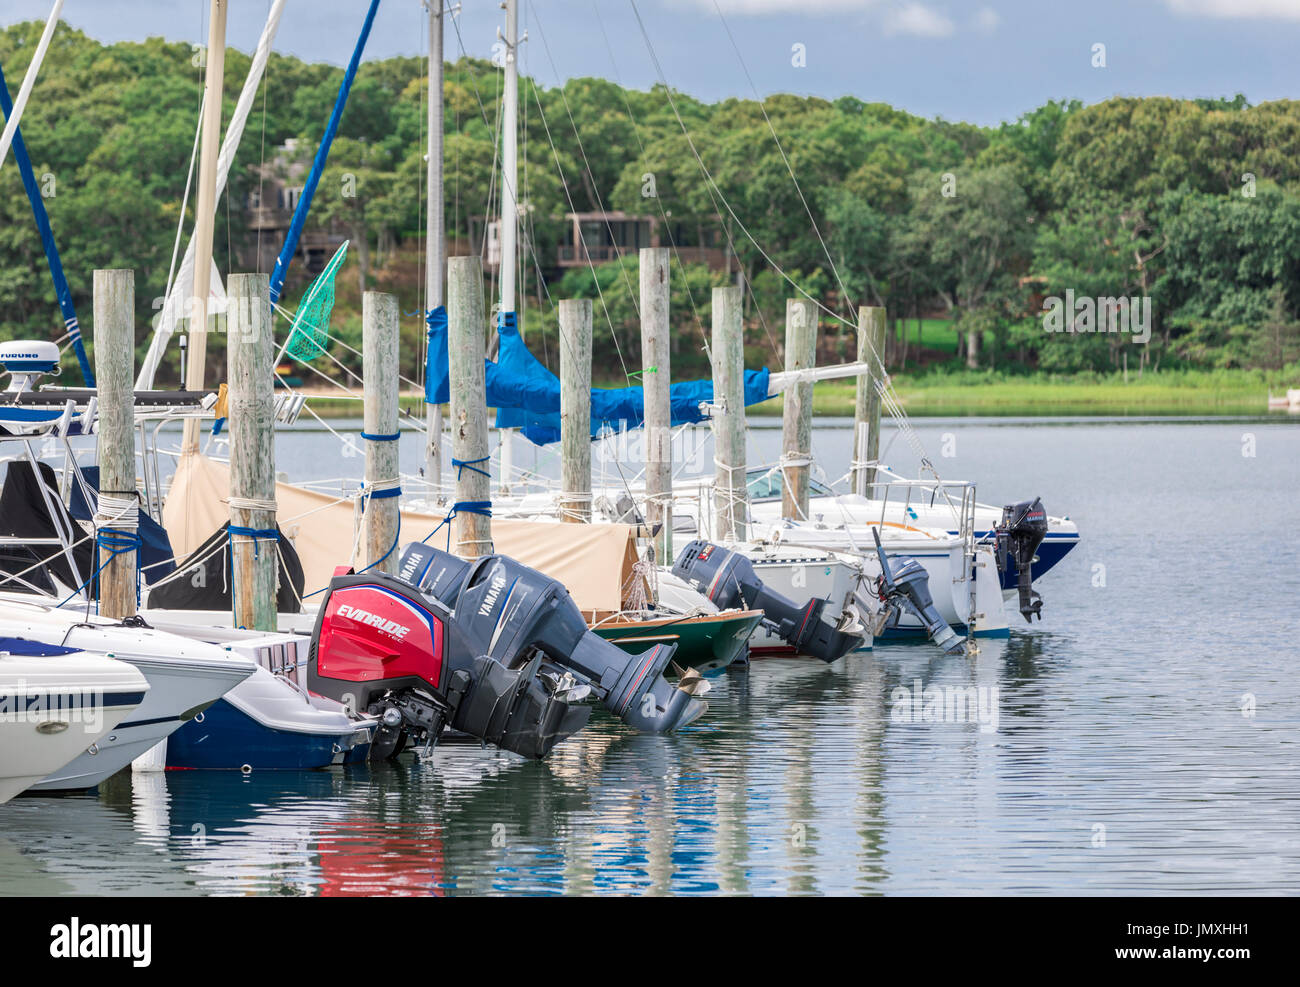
(114, 338)
(575, 410)
(796, 433)
(866, 409)
(656, 379)
(379, 336)
(250, 354)
(466, 324)
(730, 495)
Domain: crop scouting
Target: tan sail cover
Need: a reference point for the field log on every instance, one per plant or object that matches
(594, 561)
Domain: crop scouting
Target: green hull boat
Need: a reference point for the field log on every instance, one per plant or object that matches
(707, 643)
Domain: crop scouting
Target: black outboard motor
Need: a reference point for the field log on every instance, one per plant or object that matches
(906, 585)
(728, 579)
(1021, 531)
(505, 608)
(381, 647)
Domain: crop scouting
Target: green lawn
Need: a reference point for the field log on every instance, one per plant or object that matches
(1190, 393)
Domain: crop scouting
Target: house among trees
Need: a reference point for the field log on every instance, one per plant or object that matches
(271, 203)
(600, 237)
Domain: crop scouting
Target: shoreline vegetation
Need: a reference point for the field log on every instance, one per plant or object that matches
(955, 395)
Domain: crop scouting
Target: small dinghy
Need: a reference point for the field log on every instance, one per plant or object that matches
(55, 703)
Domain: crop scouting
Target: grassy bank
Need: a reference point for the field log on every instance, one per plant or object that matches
(1225, 392)
(1229, 392)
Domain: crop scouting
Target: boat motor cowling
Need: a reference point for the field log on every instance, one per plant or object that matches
(381, 646)
(904, 584)
(730, 581)
(505, 608)
(1021, 530)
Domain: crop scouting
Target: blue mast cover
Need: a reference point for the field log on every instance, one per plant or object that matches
(527, 395)
(318, 165)
(61, 288)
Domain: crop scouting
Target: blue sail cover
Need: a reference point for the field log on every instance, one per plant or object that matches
(527, 395)
(61, 289)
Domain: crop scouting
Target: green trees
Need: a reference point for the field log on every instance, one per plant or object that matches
(1192, 204)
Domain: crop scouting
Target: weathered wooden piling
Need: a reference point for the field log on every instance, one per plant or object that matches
(730, 494)
(466, 324)
(866, 409)
(575, 409)
(796, 433)
(254, 546)
(656, 379)
(379, 336)
(115, 519)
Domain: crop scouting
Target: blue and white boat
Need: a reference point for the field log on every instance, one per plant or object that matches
(185, 678)
(54, 703)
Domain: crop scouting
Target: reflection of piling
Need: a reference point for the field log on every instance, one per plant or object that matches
(866, 409)
(116, 516)
(380, 381)
(655, 383)
(250, 355)
(796, 434)
(729, 496)
(466, 323)
(575, 409)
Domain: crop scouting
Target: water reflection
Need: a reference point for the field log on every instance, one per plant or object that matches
(1124, 759)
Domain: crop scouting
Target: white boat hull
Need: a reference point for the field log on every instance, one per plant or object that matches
(54, 707)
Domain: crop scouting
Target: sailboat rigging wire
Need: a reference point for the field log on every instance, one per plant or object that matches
(636, 132)
(888, 400)
(844, 292)
(568, 196)
(185, 200)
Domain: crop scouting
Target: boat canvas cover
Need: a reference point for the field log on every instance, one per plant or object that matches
(527, 395)
(23, 514)
(596, 562)
(203, 580)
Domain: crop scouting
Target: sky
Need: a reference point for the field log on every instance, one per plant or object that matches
(980, 61)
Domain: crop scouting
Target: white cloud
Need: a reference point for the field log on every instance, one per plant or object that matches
(919, 20)
(1283, 10)
(986, 20)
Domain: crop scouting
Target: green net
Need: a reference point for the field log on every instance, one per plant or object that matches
(311, 323)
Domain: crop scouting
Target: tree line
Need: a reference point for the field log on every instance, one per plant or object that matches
(1189, 207)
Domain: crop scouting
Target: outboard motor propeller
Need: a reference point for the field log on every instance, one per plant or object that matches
(907, 586)
(1021, 531)
(728, 579)
(505, 608)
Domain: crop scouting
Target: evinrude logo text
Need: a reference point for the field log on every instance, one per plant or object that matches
(494, 591)
(390, 627)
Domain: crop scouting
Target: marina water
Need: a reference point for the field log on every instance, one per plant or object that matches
(1143, 738)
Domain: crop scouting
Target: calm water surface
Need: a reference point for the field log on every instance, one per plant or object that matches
(1124, 758)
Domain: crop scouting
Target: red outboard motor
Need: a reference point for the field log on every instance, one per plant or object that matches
(382, 647)
(500, 652)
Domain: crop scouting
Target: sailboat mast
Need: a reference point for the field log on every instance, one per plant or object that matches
(435, 250)
(509, 204)
(205, 209)
(509, 161)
